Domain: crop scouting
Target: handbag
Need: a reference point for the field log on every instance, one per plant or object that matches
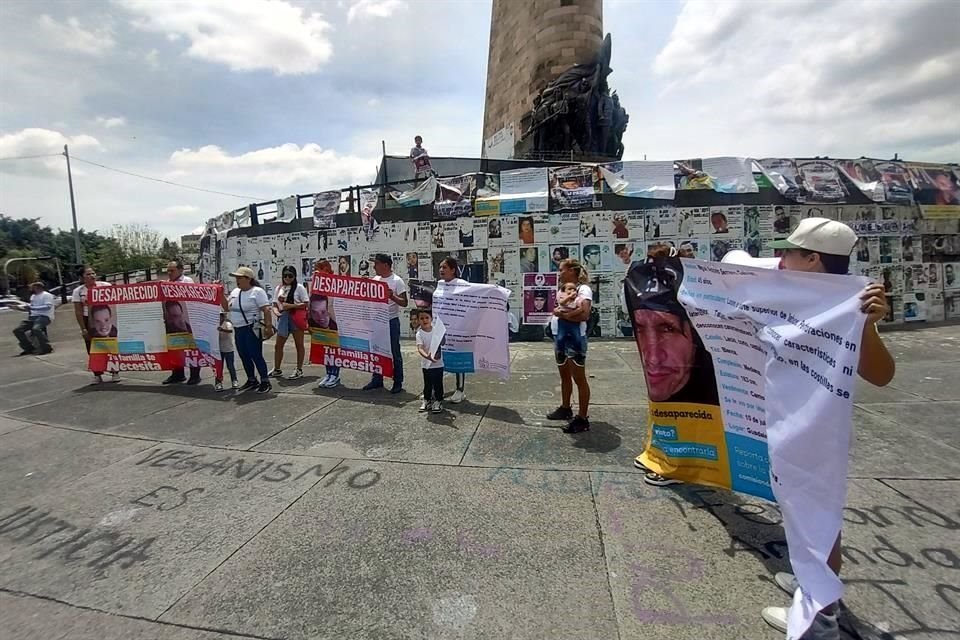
(258, 326)
(299, 318)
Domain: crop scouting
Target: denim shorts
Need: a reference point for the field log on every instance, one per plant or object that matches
(284, 324)
(572, 349)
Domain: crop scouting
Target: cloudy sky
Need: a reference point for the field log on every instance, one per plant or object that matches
(264, 98)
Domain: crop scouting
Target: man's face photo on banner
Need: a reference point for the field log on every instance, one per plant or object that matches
(676, 365)
(175, 317)
(102, 323)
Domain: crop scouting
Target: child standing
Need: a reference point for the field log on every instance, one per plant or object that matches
(569, 339)
(431, 363)
(226, 352)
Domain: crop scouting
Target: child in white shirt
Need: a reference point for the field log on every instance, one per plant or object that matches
(431, 363)
(226, 353)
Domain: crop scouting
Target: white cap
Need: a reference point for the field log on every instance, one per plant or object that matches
(821, 235)
(744, 259)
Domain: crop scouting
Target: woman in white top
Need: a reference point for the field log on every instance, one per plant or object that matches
(82, 312)
(291, 307)
(449, 268)
(252, 324)
(572, 359)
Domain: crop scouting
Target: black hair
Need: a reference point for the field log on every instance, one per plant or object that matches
(179, 263)
(540, 293)
(100, 307)
(451, 262)
(832, 263)
(290, 270)
(429, 312)
(384, 258)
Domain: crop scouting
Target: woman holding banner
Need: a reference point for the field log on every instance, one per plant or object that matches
(449, 268)
(332, 379)
(81, 311)
(291, 305)
(572, 364)
(252, 324)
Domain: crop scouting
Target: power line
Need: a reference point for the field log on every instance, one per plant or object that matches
(41, 155)
(174, 184)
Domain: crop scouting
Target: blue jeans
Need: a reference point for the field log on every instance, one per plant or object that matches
(36, 326)
(228, 362)
(333, 371)
(250, 350)
(397, 355)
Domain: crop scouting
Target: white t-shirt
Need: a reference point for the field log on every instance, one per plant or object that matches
(300, 296)
(423, 340)
(42, 304)
(184, 279)
(80, 295)
(398, 286)
(584, 292)
(252, 300)
(226, 337)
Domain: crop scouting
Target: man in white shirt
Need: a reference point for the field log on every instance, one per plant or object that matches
(383, 266)
(175, 274)
(41, 315)
(81, 310)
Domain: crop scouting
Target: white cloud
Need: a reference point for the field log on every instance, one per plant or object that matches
(268, 170)
(185, 212)
(73, 37)
(35, 141)
(374, 9)
(110, 123)
(244, 35)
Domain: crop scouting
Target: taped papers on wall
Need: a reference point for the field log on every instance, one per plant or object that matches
(475, 316)
(639, 179)
(571, 187)
(154, 326)
(349, 324)
(731, 175)
(523, 191)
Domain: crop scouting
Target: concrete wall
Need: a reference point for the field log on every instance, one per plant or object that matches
(531, 43)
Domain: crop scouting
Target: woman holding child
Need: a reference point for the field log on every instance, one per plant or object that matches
(569, 327)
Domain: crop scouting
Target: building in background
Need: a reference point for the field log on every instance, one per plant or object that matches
(190, 248)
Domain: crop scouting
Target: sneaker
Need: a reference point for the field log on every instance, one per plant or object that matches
(44, 352)
(265, 387)
(787, 582)
(218, 386)
(97, 379)
(776, 617)
(395, 389)
(640, 465)
(333, 383)
(458, 397)
(234, 385)
(297, 373)
(193, 380)
(174, 379)
(250, 384)
(436, 408)
(373, 384)
(114, 377)
(325, 381)
(578, 425)
(560, 413)
(657, 480)
(424, 406)
(276, 373)
(26, 352)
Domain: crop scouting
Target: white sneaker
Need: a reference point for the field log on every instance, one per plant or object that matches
(325, 381)
(424, 406)
(114, 377)
(458, 397)
(297, 373)
(234, 385)
(276, 373)
(218, 386)
(776, 617)
(787, 582)
(334, 382)
(436, 408)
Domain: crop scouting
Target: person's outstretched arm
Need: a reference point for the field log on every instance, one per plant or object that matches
(876, 364)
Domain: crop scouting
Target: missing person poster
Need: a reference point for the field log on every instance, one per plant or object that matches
(475, 316)
(750, 375)
(539, 297)
(154, 326)
(349, 324)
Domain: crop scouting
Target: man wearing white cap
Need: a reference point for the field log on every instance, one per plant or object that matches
(819, 245)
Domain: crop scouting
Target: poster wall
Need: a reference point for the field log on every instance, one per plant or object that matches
(349, 324)
(475, 316)
(154, 326)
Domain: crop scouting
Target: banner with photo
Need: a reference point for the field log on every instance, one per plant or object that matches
(820, 181)
(750, 375)
(475, 316)
(287, 209)
(423, 193)
(571, 187)
(521, 191)
(730, 174)
(456, 197)
(879, 180)
(487, 201)
(349, 324)
(368, 202)
(936, 189)
(154, 326)
(539, 297)
(783, 175)
(326, 205)
(639, 179)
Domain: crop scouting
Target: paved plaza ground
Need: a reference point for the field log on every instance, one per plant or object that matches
(142, 511)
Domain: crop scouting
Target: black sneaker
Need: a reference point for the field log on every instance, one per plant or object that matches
(397, 388)
(373, 384)
(249, 384)
(577, 425)
(175, 379)
(26, 352)
(560, 413)
(194, 380)
(265, 387)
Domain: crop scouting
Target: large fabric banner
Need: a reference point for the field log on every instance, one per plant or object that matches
(782, 174)
(475, 316)
(423, 193)
(326, 205)
(731, 174)
(640, 179)
(750, 374)
(879, 180)
(571, 187)
(287, 209)
(349, 324)
(937, 190)
(154, 326)
(522, 191)
(820, 181)
(456, 197)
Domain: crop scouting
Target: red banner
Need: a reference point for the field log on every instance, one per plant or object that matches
(164, 361)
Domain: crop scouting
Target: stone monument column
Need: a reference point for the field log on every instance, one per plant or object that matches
(531, 43)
